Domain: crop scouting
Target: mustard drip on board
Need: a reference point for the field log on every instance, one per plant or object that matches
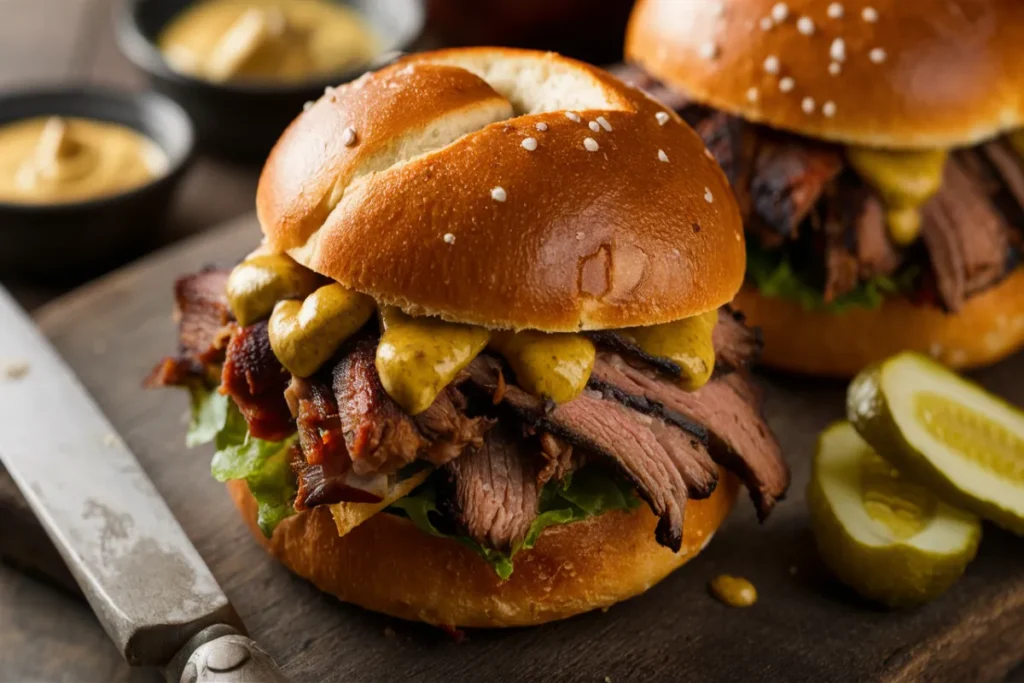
(418, 357)
(686, 342)
(905, 180)
(267, 40)
(555, 366)
(54, 160)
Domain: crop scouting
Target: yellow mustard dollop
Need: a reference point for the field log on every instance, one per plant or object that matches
(269, 40)
(687, 342)
(304, 335)
(418, 357)
(905, 180)
(555, 366)
(53, 160)
(260, 281)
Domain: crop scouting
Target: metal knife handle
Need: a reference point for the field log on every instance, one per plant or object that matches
(219, 654)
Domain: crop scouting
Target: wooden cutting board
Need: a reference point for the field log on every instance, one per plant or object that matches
(804, 627)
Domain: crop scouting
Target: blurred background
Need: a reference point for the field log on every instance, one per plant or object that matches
(75, 58)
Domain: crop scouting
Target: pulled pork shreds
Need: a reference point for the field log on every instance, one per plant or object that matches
(496, 491)
(257, 381)
(966, 239)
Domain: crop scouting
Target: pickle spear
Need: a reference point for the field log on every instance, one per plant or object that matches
(888, 538)
(963, 443)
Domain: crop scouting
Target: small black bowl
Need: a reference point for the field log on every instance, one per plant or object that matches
(63, 242)
(243, 120)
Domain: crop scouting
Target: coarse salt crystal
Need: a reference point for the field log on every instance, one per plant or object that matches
(752, 95)
(869, 14)
(542, 126)
(807, 104)
(838, 50)
(877, 55)
(708, 197)
(595, 126)
(662, 117)
(766, 23)
(498, 194)
(780, 12)
(590, 144)
(603, 122)
(348, 136)
(835, 10)
(449, 238)
(708, 50)
(835, 68)
(529, 144)
(805, 26)
(787, 84)
(662, 156)
(771, 64)
(572, 116)
(829, 109)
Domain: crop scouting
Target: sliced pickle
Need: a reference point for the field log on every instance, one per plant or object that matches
(888, 538)
(948, 433)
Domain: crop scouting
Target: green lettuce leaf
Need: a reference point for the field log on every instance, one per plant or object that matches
(774, 275)
(590, 492)
(209, 413)
(262, 464)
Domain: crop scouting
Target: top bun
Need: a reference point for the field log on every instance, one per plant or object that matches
(911, 74)
(505, 188)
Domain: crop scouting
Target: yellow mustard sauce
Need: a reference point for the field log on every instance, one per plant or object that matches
(1016, 140)
(418, 357)
(555, 366)
(905, 181)
(54, 160)
(260, 281)
(686, 342)
(304, 335)
(734, 591)
(267, 40)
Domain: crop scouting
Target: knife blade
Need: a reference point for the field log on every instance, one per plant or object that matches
(147, 584)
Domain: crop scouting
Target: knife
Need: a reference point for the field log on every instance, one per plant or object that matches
(147, 584)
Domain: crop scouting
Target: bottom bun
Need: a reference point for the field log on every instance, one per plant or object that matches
(388, 565)
(988, 327)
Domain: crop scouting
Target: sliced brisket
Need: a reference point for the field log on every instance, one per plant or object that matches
(789, 176)
(256, 380)
(558, 458)
(315, 409)
(496, 490)
(727, 405)
(733, 142)
(876, 253)
(663, 462)
(448, 429)
(736, 345)
(966, 238)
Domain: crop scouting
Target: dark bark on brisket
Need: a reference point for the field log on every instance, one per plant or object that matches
(733, 142)
(789, 177)
(740, 439)
(317, 419)
(736, 345)
(256, 380)
(378, 433)
(496, 491)
(204, 327)
(639, 445)
(324, 484)
(876, 253)
(967, 240)
(842, 271)
(448, 429)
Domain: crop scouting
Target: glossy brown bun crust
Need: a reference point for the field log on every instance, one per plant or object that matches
(989, 327)
(401, 206)
(388, 565)
(949, 73)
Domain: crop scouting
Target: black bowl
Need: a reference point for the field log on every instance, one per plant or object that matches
(68, 240)
(243, 120)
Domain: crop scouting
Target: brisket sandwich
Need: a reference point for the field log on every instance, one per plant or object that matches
(874, 147)
(482, 370)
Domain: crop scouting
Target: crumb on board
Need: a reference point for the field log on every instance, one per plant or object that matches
(13, 370)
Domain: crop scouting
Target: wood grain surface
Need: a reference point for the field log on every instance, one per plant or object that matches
(805, 627)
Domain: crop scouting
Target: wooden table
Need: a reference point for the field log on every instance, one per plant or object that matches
(48, 634)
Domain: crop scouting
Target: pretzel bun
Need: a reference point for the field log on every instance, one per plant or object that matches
(416, 185)
(912, 73)
(388, 565)
(989, 327)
